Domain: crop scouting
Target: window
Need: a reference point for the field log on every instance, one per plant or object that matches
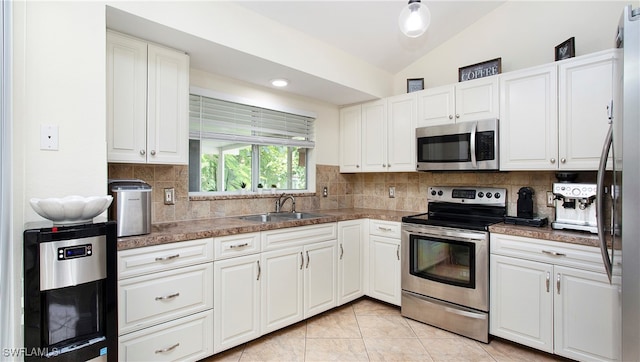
(231, 144)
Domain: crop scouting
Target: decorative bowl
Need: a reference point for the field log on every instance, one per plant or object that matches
(71, 209)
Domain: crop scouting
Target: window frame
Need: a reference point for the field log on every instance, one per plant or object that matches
(255, 167)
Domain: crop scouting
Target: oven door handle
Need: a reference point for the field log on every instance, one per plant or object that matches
(465, 313)
(472, 146)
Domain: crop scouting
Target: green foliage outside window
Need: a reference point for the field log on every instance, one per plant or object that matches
(278, 165)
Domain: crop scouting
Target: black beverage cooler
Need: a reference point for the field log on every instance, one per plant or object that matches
(70, 293)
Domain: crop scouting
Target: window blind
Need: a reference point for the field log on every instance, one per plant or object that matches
(222, 120)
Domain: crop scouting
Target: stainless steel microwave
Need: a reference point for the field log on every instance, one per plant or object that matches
(457, 147)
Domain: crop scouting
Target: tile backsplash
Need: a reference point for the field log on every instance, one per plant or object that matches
(363, 190)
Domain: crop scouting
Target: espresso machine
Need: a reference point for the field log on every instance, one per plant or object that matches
(575, 206)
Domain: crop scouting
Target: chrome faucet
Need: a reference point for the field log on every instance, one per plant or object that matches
(282, 199)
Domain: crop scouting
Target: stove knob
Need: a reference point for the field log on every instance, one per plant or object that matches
(440, 193)
(489, 195)
(497, 195)
(433, 193)
(480, 194)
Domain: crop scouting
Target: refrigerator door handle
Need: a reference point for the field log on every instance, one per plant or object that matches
(600, 204)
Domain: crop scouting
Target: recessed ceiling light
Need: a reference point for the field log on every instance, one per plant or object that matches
(279, 82)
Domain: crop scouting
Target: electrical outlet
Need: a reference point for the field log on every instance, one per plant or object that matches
(550, 198)
(169, 196)
(392, 192)
(325, 192)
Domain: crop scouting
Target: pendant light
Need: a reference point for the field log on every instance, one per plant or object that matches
(414, 19)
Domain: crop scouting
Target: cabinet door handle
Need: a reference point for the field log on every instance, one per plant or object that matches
(259, 270)
(553, 160)
(548, 281)
(451, 116)
(153, 152)
(341, 251)
(238, 246)
(142, 152)
(357, 166)
(558, 283)
(554, 253)
(308, 259)
(457, 116)
(164, 258)
(170, 296)
(563, 160)
(301, 260)
(398, 252)
(167, 349)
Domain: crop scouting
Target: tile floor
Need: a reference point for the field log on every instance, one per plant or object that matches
(368, 330)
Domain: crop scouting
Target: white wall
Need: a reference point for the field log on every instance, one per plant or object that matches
(523, 34)
(62, 77)
(58, 60)
(327, 115)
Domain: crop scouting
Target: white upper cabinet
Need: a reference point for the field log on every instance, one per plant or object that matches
(402, 119)
(147, 102)
(585, 90)
(350, 135)
(555, 116)
(529, 119)
(461, 102)
(379, 136)
(374, 136)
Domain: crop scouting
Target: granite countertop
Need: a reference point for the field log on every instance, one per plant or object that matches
(205, 228)
(547, 233)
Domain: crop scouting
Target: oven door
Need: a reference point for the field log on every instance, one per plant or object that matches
(447, 264)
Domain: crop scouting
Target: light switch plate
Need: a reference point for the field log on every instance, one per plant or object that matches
(169, 196)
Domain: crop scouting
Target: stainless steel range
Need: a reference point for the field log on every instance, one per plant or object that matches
(445, 259)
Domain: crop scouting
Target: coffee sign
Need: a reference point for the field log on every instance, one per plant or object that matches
(480, 70)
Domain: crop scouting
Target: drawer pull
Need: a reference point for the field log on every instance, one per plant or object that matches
(554, 253)
(164, 258)
(238, 246)
(382, 228)
(164, 350)
(170, 296)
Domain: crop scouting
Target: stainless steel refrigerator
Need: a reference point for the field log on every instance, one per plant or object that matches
(623, 227)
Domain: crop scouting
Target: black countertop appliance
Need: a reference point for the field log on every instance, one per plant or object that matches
(525, 202)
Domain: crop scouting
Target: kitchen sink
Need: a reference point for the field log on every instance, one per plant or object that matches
(297, 215)
(280, 216)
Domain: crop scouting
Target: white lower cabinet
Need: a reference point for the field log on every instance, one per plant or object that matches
(165, 301)
(553, 297)
(299, 282)
(320, 282)
(351, 243)
(384, 261)
(282, 288)
(186, 339)
(236, 301)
